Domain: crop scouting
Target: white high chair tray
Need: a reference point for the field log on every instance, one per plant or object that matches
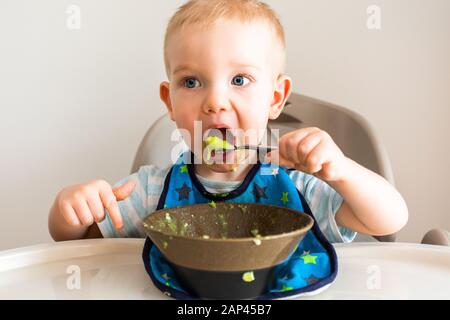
(113, 269)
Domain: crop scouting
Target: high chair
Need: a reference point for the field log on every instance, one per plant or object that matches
(351, 132)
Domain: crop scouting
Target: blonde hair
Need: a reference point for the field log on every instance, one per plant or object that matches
(204, 13)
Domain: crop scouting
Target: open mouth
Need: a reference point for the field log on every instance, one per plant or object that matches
(219, 143)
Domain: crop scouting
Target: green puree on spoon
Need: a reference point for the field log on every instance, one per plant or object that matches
(215, 143)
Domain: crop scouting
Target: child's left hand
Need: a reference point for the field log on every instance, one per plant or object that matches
(313, 151)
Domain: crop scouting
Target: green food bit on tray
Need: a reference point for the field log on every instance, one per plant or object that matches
(248, 276)
(165, 244)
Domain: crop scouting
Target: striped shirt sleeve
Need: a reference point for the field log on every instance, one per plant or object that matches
(324, 202)
(142, 201)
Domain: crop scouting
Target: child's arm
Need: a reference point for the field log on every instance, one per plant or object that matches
(77, 208)
(371, 205)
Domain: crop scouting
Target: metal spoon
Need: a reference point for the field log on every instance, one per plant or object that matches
(249, 147)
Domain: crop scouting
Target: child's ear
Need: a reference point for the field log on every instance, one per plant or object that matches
(283, 87)
(164, 94)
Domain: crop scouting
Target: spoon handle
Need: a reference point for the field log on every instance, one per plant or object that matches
(261, 148)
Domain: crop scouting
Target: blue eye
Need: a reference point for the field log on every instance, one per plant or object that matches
(239, 81)
(191, 83)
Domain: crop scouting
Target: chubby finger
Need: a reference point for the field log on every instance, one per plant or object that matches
(96, 206)
(69, 214)
(124, 191)
(306, 146)
(83, 212)
(110, 203)
(317, 158)
(288, 144)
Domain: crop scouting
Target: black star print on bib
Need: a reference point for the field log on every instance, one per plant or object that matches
(183, 192)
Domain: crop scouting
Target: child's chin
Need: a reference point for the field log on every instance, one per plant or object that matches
(227, 164)
(222, 168)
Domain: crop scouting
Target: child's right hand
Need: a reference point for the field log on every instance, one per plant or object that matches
(82, 204)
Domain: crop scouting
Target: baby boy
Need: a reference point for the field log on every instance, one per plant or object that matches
(225, 62)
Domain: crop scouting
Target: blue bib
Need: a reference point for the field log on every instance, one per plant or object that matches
(312, 265)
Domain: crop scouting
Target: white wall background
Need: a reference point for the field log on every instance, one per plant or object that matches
(75, 103)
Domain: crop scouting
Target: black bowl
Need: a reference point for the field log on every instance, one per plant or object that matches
(229, 250)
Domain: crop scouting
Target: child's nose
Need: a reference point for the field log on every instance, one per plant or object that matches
(216, 101)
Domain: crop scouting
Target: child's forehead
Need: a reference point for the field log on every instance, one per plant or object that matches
(225, 30)
(235, 42)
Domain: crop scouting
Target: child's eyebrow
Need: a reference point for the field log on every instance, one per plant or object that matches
(180, 68)
(245, 65)
(236, 64)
